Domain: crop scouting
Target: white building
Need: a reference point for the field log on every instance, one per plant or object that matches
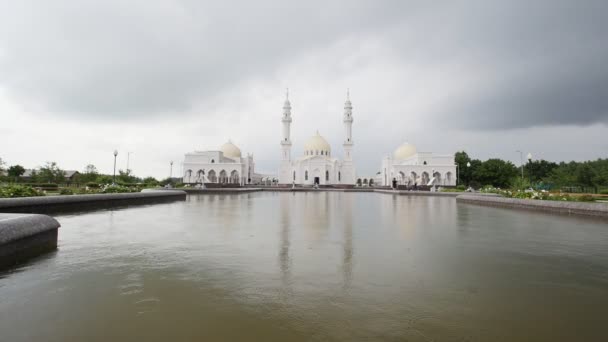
(223, 166)
(409, 167)
(317, 166)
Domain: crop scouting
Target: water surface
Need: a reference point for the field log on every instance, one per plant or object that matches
(317, 266)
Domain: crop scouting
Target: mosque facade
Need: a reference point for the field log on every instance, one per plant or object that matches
(317, 166)
(407, 166)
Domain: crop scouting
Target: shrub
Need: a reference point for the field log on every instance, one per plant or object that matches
(66, 191)
(603, 192)
(115, 189)
(93, 185)
(15, 190)
(461, 187)
(585, 198)
(42, 185)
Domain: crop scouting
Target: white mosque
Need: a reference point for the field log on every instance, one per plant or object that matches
(226, 166)
(407, 166)
(317, 166)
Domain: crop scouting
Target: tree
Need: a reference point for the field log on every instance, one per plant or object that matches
(50, 173)
(464, 173)
(150, 180)
(539, 170)
(585, 175)
(495, 172)
(2, 163)
(125, 177)
(90, 174)
(15, 171)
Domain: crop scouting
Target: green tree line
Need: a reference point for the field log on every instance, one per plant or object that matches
(538, 173)
(52, 173)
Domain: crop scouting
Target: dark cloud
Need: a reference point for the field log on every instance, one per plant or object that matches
(113, 58)
(529, 63)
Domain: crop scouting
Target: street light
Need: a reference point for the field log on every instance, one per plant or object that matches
(114, 177)
(171, 170)
(521, 162)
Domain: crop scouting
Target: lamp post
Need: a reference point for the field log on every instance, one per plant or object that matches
(128, 157)
(114, 176)
(171, 170)
(521, 162)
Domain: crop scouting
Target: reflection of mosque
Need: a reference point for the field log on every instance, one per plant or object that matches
(315, 203)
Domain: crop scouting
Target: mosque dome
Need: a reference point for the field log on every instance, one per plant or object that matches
(317, 145)
(230, 150)
(404, 151)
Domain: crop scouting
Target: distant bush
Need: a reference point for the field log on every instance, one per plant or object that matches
(461, 187)
(14, 190)
(42, 185)
(66, 191)
(452, 190)
(93, 185)
(603, 192)
(115, 189)
(585, 198)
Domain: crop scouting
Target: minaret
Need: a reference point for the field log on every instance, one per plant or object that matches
(286, 141)
(348, 168)
(348, 125)
(285, 166)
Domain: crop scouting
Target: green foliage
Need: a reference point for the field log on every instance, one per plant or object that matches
(539, 174)
(518, 183)
(496, 172)
(17, 190)
(113, 189)
(538, 195)
(539, 170)
(66, 191)
(461, 187)
(90, 174)
(452, 190)
(126, 177)
(92, 185)
(48, 186)
(50, 173)
(150, 181)
(15, 171)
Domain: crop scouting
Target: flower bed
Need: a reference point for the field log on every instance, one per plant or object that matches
(538, 195)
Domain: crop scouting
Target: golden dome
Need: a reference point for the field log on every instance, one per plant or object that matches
(230, 150)
(317, 145)
(404, 151)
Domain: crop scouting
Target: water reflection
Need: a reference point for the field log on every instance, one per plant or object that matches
(313, 266)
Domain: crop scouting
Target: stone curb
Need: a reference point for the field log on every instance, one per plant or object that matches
(598, 210)
(21, 203)
(14, 227)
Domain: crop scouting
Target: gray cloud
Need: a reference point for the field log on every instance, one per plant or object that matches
(445, 76)
(534, 63)
(111, 58)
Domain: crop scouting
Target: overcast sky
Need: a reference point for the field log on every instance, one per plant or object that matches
(159, 78)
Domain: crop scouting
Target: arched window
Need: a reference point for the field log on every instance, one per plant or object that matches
(212, 160)
(306, 175)
(327, 176)
(424, 162)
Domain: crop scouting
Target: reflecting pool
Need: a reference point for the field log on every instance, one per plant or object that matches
(313, 266)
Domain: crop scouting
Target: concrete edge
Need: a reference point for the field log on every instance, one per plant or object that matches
(597, 210)
(14, 227)
(35, 204)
